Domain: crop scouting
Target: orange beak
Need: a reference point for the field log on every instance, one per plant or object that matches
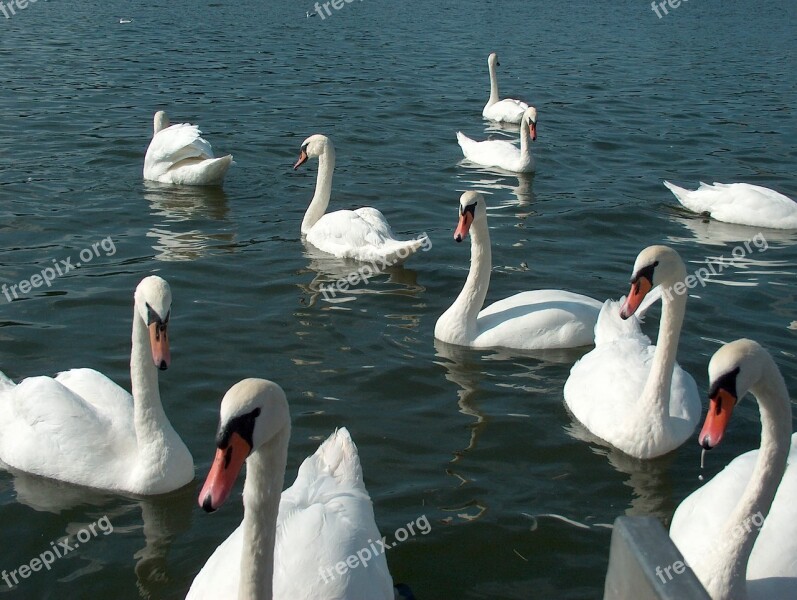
(719, 414)
(533, 131)
(223, 473)
(159, 342)
(301, 161)
(465, 219)
(639, 289)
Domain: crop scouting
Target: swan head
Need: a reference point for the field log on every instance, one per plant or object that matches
(472, 207)
(253, 412)
(160, 122)
(153, 299)
(529, 120)
(655, 265)
(733, 371)
(313, 147)
(492, 60)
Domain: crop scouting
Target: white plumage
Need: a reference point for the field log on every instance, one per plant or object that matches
(507, 110)
(503, 154)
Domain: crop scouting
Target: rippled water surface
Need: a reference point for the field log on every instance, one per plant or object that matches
(479, 442)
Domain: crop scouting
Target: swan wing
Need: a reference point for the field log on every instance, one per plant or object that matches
(363, 234)
(221, 574)
(48, 430)
(179, 154)
(101, 392)
(538, 319)
(507, 110)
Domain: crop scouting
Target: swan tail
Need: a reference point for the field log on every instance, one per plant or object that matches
(338, 457)
(687, 197)
(202, 172)
(6, 383)
(406, 249)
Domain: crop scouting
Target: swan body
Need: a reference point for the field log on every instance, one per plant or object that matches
(82, 428)
(627, 392)
(718, 528)
(178, 154)
(287, 545)
(534, 320)
(740, 203)
(363, 234)
(507, 110)
(503, 154)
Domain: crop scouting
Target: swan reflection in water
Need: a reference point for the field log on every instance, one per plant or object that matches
(338, 281)
(162, 519)
(177, 211)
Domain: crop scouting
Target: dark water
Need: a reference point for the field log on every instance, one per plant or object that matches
(479, 442)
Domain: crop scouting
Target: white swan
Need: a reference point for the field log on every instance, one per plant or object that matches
(627, 392)
(717, 527)
(532, 320)
(502, 154)
(362, 234)
(84, 429)
(740, 203)
(506, 110)
(286, 546)
(177, 154)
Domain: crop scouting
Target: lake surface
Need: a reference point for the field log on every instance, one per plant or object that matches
(478, 442)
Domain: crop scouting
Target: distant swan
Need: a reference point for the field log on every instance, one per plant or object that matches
(501, 153)
(84, 429)
(534, 320)
(718, 528)
(626, 391)
(363, 234)
(287, 543)
(506, 110)
(177, 154)
(740, 203)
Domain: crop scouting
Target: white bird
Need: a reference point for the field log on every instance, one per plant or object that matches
(506, 110)
(363, 234)
(627, 392)
(84, 429)
(718, 528)
(503, 154)
(178, 154)
(740, 204)
(286, 545)
(533, 320)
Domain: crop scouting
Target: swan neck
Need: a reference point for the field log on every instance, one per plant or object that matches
(461, 317)
(150, 422)
(265, 475)
(493, 85)
(525, 140)
(656, 393)
(323, 189)
(743, 525)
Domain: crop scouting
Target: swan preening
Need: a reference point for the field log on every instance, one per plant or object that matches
(286, 543)
(178, 154)
(363, 234)
(82, 428)
(718, 528)
(507, 110)
(503, 154)
(534, 320)
(627, 392)
(739, 203)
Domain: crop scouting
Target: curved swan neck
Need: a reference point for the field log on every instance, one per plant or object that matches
(323, 189)
(265, 475)
(150, 421)
(461, 317)
(656, 393)
(493, 85)
(741, 530)
(525, 140)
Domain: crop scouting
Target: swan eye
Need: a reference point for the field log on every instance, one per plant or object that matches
(470, 208)
(725, 382)
(646, 272)
(153, 317)
(243, 425)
